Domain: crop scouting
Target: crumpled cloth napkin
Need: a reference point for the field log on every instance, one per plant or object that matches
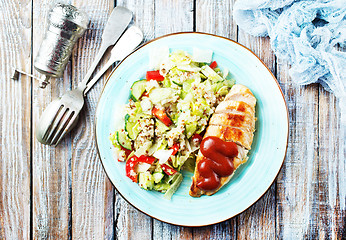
(307, 34)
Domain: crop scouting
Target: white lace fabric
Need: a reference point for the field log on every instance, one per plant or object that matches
(307, 34)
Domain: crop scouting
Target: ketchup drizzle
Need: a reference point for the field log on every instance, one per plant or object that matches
(218, 162)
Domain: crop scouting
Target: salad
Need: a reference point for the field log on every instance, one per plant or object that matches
(164, 119)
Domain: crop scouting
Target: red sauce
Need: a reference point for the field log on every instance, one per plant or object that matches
(218, 162)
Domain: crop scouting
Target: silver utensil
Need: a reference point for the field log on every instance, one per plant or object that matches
(61, 115)
(115, 26)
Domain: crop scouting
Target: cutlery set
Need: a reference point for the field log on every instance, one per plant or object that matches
(66, 25)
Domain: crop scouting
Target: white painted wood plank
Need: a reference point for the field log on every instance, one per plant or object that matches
(332, 168)
(15, 121)
(92, 193)
(173, 16)
(216, 17)
(297, 184)
(51, 216)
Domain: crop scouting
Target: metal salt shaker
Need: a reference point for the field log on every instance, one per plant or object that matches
(66, 25)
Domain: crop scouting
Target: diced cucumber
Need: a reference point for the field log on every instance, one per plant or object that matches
(131, 126)
(190, 129)
(178, 178)
(166, 83)
(144, 149)
(211, 74)
(223, 90)
(157, 177)
(187, 85)
(146, 180)
(161, 126)
(158, 94)
(124, 140)
(114, 140)
(138, 89)
(161, 187)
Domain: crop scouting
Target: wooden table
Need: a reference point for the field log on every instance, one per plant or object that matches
(63, 192)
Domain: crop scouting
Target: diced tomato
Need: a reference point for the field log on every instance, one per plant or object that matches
(213, 65)
(162, 116)
(154, 75)
(127, 152)
(167, 169)
(196, 138)
(175, 148)
(146, 159)
(130, 168)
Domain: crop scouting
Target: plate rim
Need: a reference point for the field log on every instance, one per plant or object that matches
(197, 33)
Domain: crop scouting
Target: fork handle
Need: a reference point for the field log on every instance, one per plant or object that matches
(98, 75)
(82, 85)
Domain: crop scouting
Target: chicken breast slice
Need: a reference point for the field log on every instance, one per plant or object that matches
(241, 93)
(233, 106)
(231, 134)
(237, 120)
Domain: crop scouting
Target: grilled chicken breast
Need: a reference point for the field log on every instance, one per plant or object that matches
(233, 121)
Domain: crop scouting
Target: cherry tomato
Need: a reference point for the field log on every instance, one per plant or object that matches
(127, 152)
(196, 138)
(213, 65)
(130, 168)
(146, 159)
(162, 116)
(154, 75)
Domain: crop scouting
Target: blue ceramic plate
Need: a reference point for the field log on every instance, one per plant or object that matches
(250, 181)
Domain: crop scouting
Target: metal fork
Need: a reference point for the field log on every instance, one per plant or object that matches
(62, 114)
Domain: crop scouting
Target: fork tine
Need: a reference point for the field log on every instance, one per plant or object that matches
(61, 131)
(55, 123)
(74, 116)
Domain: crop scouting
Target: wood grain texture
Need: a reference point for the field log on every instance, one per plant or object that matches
(63, 192)
(92, 193)
(258, 222)
(216, 17)
(15, 120)
(51, 217)
(297, 184)
(332, 169)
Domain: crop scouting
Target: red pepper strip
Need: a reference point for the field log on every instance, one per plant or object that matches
(197, 138)
(168, 170)
(130, 168)
(127, 152)
(154, 75)
(162, 116)
(146, 159)
(213, 65)
(133, 161)
(175, 148)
